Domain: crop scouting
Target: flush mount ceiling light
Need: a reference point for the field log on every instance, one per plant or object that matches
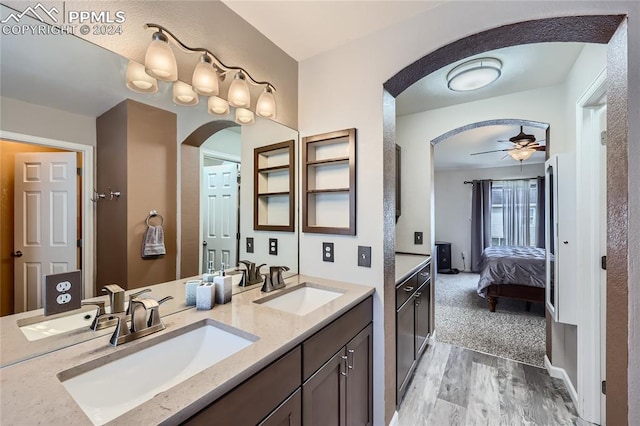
(474, 74)
(160, 64)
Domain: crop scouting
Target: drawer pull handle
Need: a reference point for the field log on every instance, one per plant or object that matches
(353, 362)
(346, 365)
(408, 289)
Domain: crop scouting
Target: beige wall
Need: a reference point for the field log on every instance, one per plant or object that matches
(137, 153)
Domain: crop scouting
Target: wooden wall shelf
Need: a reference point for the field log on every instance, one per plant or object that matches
(274, 187)
(329, 183)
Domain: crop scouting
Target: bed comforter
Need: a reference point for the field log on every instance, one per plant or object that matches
(512, 265)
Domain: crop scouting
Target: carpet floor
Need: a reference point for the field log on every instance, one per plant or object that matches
(463, 319)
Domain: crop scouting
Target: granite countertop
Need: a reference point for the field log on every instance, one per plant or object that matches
(407, 264)
(32, 392)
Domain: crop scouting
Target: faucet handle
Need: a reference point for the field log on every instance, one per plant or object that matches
(121, 326)
(99, 303)
(154, 315)
(116, 297)
(98, 324)
(133, 296)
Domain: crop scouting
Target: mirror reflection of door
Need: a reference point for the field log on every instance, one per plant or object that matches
(219, 203)
(45, 214)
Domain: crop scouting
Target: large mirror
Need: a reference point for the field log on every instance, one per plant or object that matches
(59, 94)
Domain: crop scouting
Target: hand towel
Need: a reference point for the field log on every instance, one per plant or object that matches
(153, 242)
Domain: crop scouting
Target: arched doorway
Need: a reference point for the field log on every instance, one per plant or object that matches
(608, 29)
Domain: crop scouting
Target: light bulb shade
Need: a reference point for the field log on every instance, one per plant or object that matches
(245, 116)
(521, 154)
(266, 104)
(239, 95)
(159, 61)
(138, 80)
(205, 79)
(474, 74)
(217, 106)
(183, 94)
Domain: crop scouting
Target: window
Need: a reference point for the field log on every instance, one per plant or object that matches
(514, 212)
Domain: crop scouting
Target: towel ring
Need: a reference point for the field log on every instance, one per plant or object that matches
(154, 213)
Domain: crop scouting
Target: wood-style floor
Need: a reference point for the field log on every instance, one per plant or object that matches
(456, 386)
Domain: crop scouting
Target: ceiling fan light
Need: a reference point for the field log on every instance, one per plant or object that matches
(138, 80)
(159, 61)
(183, 94)
(239, 95)
(217, 106)
(521, 154)
(205, 78)
(474, 74)
(266, 104)
(245, 116)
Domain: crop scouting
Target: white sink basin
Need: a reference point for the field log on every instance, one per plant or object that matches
(110, 390)
(302, 299)
(51, 327)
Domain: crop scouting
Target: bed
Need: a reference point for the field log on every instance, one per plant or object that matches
(516, 272)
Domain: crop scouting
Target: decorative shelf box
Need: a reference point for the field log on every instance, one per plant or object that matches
(274, 174)
(329, 183)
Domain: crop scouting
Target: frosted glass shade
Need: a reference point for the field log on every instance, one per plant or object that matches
(266, 105)
(474, 74)
(159, 61)
(217, 106)
(239, 95)
(245, 116)
(205, 79)
(138, 80)
(183, 94)
(521, 154)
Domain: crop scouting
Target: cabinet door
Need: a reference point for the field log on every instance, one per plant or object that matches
(405, 349)
(323, 399)
(422, 317)
(289, 413)
(359, 382)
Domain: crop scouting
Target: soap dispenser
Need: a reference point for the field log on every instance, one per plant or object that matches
(223, 283)
(208, 277)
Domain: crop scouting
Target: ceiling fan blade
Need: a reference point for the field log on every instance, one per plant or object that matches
(541, 148)
(495, 150)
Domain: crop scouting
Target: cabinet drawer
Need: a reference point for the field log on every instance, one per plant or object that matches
(405, 290)
(320, 347)
(424, 275)
(264, 392)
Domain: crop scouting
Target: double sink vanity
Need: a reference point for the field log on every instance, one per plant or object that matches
(260, 359)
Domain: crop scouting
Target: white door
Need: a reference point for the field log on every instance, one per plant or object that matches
(602, 202)
(220, 215)
(45, 237)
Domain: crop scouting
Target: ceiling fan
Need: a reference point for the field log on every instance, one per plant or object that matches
(524, 146)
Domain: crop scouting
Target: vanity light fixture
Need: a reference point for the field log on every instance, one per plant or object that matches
(474, 74)
(160, 64)
(138, 80)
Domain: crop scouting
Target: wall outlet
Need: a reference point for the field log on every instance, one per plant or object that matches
(62, 292)
(249, 244)
(327, 252)
(273, 246)
(417, 238)
(364, 256)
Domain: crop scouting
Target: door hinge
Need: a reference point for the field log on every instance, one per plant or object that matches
(238, 236)
(603, 262)
(79, 243)
(604, 387)
(603, 138)
(79, 171)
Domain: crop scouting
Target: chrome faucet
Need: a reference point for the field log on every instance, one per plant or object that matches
(274, 280)
(145, 320)
(253, 272)
(116, 301)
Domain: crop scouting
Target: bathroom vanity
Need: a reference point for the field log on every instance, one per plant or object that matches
(315, 363)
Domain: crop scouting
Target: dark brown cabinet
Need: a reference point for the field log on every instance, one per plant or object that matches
(340, 393)
(413, 297)
(289, 413)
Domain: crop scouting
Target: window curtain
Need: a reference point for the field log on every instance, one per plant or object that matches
(480, 221)
(540, 221)
(517, 213)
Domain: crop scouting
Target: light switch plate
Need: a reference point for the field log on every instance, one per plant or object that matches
(364, 256)
(327, 252)
(62, 292)
(249, 244)
(417, 238)
(273, 246)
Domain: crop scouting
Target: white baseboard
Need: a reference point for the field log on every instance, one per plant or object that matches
(394, 419)
(561, 373)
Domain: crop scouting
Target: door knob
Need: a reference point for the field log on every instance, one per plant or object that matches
(204, 243)
(16, 254)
